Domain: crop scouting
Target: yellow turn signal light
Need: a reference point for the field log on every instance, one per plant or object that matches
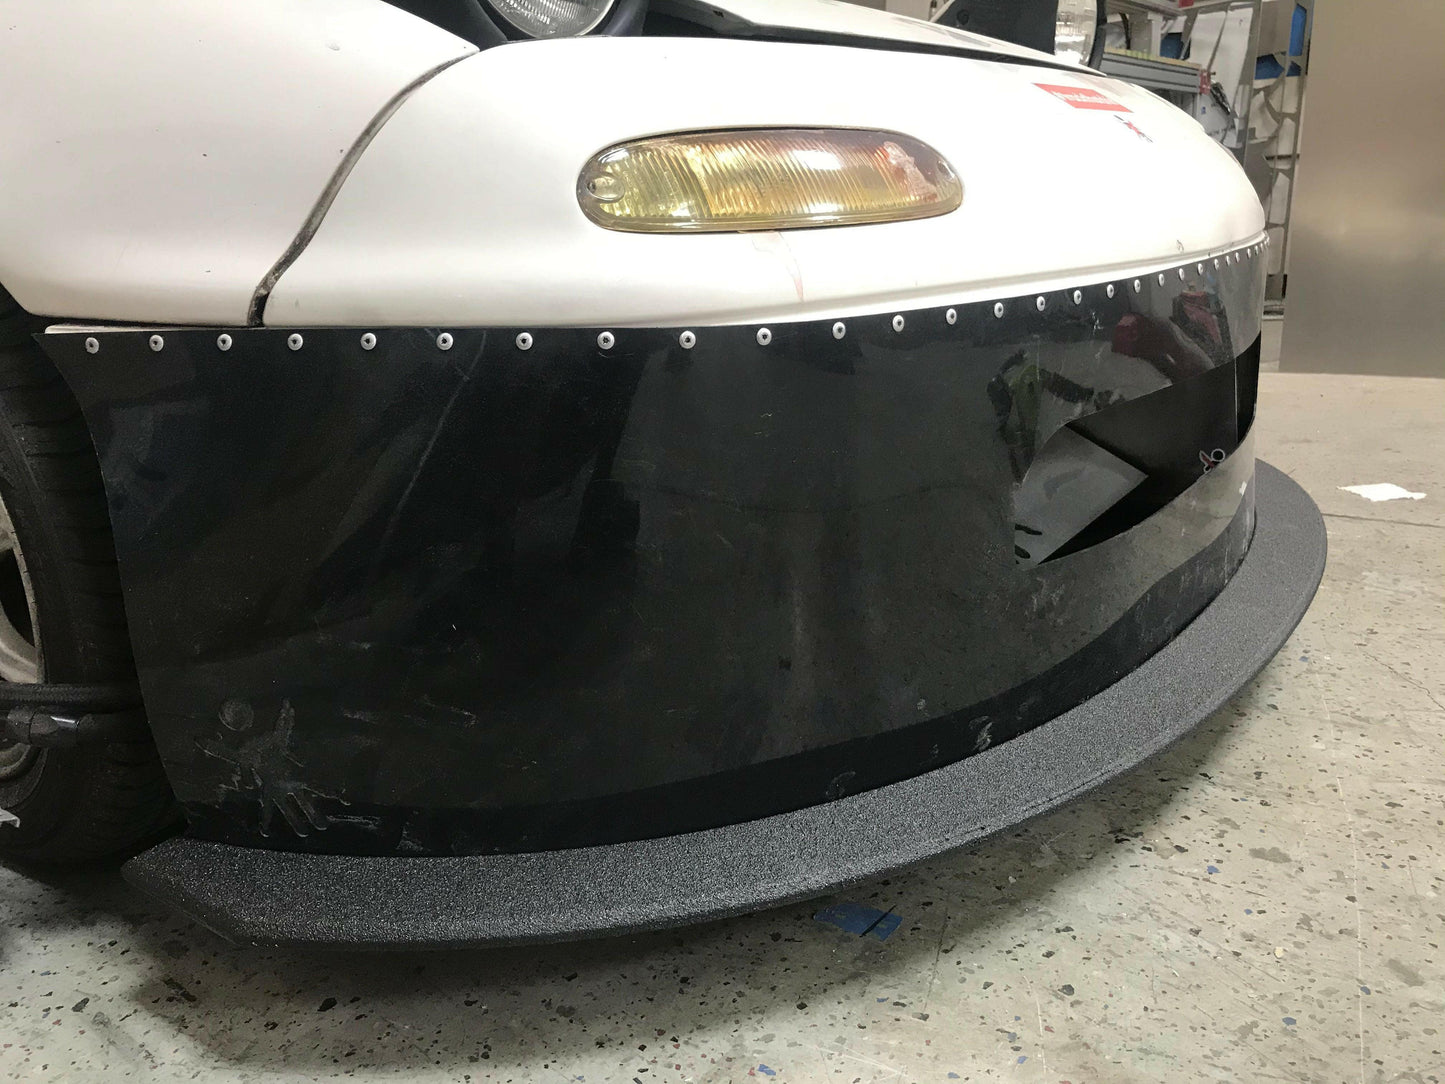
(766, 179)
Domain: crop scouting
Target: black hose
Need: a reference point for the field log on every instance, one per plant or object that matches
(75, 698)
(47, 728)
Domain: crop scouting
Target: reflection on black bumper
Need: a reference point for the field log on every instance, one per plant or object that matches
(461, 591)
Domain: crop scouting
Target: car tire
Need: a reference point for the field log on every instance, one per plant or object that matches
(79, 804)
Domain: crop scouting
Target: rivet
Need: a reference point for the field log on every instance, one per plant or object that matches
(839, 330)
(1201, 266)
(92, 345)
(1138, 286)
(898, 323)
(1039, 303)
(998, 309)
(1109, 289)
(1161, 278)
(223, 342)
(157, 342)
(764, 336)
(524, 341)
(1216, 263)
(1181, 274)
(368, 341)
(294, 341)
(444, 341)
(1251, 254)
(1078, 297)
(687, 340)
(951, 316)
(606, 340)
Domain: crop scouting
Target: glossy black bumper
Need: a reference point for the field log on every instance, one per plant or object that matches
(344, 902)
(452, 594)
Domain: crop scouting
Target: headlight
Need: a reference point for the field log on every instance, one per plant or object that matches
(553, 18)
(1075, 25)
(766, 179)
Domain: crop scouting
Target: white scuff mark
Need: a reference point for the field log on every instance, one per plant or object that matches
(846, 1053)
(1039, 1012)
(1384, 491)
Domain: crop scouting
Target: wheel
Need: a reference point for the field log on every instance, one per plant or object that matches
(62, 619)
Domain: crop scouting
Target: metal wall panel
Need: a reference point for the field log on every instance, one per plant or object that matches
(1367, 259)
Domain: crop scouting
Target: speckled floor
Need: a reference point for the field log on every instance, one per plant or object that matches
(1265, 901)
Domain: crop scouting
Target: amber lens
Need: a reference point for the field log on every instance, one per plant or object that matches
(767, 179)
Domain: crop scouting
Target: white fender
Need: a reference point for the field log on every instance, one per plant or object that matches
(463, 209)
(157, 159)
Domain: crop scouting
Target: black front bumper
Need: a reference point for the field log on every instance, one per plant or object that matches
(471, 593)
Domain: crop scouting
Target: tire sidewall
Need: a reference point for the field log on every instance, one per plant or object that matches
(63, 646)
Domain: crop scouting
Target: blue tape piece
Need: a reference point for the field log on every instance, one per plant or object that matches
(860, 920)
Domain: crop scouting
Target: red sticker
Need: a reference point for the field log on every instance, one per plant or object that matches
(1084, 98)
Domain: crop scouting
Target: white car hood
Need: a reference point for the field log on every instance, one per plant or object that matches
(848, 20)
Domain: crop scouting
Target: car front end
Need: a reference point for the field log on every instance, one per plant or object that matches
(675, 472)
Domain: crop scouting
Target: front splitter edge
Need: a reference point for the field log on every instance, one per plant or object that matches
(341, 901)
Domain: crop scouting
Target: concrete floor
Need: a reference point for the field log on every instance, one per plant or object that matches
(1265, 901)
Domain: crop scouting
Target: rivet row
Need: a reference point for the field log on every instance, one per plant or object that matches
(607, 340)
